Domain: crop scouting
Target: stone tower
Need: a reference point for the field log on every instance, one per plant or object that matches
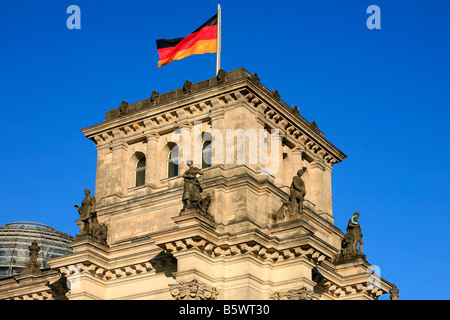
(253, 221)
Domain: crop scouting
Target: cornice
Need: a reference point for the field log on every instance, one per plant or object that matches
(165, 112)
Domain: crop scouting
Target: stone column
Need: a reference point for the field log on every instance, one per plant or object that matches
(152, 164)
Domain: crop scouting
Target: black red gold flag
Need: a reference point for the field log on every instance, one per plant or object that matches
(202, 40)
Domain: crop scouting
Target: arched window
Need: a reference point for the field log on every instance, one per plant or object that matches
(140, 173)
(206, 154)
(172, 163)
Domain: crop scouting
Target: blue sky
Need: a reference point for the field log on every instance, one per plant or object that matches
(381, 96)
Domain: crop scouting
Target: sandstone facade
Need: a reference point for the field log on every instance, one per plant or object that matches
(246, 248)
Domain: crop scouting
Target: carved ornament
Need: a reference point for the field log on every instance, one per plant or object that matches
(192, 290)
(300, 294)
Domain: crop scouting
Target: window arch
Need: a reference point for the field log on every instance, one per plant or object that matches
(172, 162)
(204, 139)
(140, 173)
(206, 154)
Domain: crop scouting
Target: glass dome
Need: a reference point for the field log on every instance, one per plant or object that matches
(15, 238)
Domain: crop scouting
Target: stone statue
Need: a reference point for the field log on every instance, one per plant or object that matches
(349, 246)
(192, 190)
(255, 77)
(32, 265)
(86, 212)
(276, 95)
(353, 237)
(294, 206)
(154, 98)
(316, 128)
(90, 226)
(221, 74)
(123, 108)
(187, 87)
(99, 231)
(394, 292)
(192, 193)
(298, 192)
(284, 211)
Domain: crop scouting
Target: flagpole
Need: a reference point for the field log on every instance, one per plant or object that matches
(219, 37)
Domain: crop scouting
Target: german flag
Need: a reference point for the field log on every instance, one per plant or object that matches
(202, 40)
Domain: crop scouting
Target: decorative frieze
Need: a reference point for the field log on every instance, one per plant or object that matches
(300, 294)
(42, 295)
(257, 249)
(45, 285)
(343, 291)
(192, 290)
(119, 272)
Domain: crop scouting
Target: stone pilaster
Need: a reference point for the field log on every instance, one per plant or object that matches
(152, 164)
(314, 192)
(261, 146)
(297, 158)
(218, 134)
(327, 194)
(319, 191)
(277, 158)
(185, 147)
(118, 168)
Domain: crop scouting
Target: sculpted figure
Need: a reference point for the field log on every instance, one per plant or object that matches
(276, 95)
(394, 292)
(187, 87)
(86, 212)
(89, 223)
(255, 77)
(294, 206)
(123, 107)
(353, 237)
(221, 76)
(192, 197)
(298, 192)
(192, 193)
(99, 231)
(283, 212)
(154, 98)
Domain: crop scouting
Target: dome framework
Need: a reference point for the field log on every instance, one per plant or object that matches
(16, 237)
